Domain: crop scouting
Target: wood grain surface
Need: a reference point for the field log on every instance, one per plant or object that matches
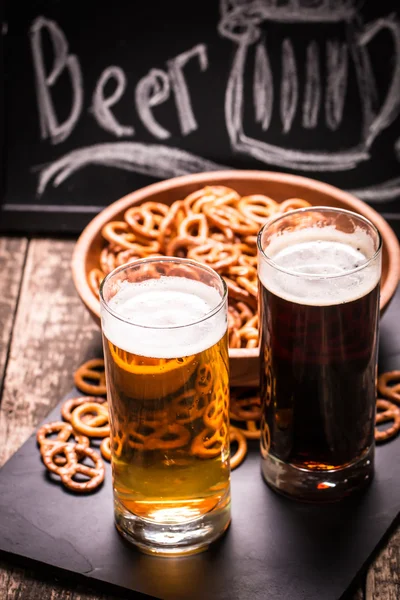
(45, 333)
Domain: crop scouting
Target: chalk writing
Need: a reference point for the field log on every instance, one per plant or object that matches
(49, 125)
(305, 94)
(101, 105)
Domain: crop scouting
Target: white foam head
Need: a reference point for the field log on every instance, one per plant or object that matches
(320, 266)
(164, 318)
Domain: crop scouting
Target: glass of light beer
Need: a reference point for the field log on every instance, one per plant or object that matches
(164, 323)
(319, 276)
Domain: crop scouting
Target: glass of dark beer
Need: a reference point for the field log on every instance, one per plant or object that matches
(164, 323)
(319, 277)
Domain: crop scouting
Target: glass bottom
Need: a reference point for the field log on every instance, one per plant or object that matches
(318, 486)
(169, 539)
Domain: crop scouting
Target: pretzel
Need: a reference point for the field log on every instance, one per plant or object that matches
(144, 220)
(234, 319)
(180, 246)
(387, 411)
(293, 204)
(234, 338)
(105, 448)
(245, 409)
(69, 405)
(390, 391)
(153, 435)
(192, 224)
(215, 254)
(97, 426)
(248, 255)
(217, 410)
(92, 370)
(227, 216)
(187, 407)
(72, 467)
(64, 433)
(95, 277)
(251, 430)
(118, 442)
(108, 258)
(170, 223)
(258, 207)
(209, 442)
(265, 438)
(119, 234)
(238, 457)
(204, 379)
(249, 282)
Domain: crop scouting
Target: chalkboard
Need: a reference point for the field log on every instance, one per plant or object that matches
(103, 98)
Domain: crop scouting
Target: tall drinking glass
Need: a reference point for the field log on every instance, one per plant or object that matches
(164, 323)
(319, 276)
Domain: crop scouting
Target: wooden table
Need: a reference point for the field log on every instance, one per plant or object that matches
(45, 334)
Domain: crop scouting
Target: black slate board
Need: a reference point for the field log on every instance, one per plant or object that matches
(318, 94)
(275, 548)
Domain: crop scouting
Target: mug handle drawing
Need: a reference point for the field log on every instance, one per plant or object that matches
(391, 104)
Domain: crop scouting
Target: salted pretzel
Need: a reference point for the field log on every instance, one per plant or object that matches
(238, 457)
(98, 424)
(72, 403)
(64, 433)
(387, 411)
(72, 466)
(105, 448)
(389, 385)
(91, 371)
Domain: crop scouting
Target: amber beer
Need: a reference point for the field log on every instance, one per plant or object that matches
(319, 307)
(166, 357)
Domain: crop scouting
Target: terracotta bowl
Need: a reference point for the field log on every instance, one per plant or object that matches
(244, 362)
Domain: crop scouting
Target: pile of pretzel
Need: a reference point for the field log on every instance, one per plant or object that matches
(65, 446)
(86, 419)
(213, 225)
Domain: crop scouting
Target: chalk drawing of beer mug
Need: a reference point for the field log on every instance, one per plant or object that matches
(307, 98)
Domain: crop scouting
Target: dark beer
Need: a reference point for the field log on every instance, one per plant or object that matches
(318, 379)
(319, 310)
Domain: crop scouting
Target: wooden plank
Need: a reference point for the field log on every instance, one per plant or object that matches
(383, 580)
(52, 335)
(12, 258)
(21, 584)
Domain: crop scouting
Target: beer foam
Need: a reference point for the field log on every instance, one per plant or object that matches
(324, 252)
(164, 318)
